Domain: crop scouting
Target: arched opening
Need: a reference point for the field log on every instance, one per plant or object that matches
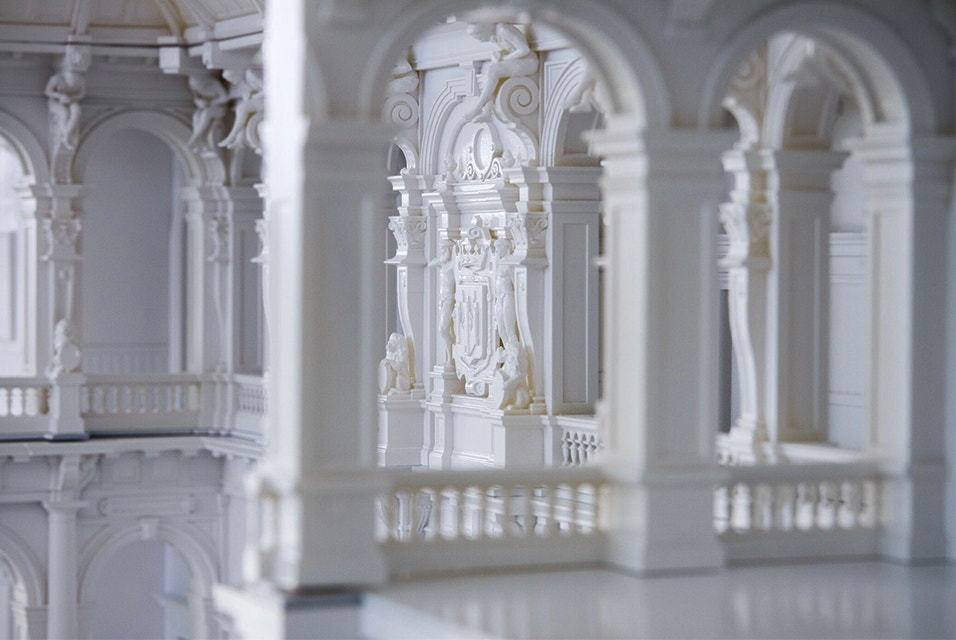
(493, 357)
(168, 595)
(13, 265)
(151, 601)
(132, 296)
(803, 242)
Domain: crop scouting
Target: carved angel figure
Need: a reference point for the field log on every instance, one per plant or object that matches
(249, 105)
(210, 98)
(65, 90)
(513, 58)
(394, 371)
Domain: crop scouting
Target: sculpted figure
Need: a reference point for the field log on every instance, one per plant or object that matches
(446, 297)
(65, 90)
(66, 355)
(505, 317)
(395, 369)
(404, 79)
(588, 95)
(509, 388)
(513, 58)
(210, 98)
(250, 103)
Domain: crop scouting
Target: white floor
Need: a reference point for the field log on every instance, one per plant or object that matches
(837, 600)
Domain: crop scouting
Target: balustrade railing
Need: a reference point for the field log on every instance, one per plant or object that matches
(251, 395)
(23, 398)
(440, 521)
(579, 440)
(140, 403)
(773, 507)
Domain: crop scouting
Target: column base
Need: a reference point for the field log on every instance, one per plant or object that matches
(400, 431)
(748, 446)
(663, 522)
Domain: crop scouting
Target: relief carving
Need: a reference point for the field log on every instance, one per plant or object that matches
(210, 98)
(394, 371)
(488, 352)
(513, 58)
(250, 100)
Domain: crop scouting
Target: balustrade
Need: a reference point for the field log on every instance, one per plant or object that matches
(579, 440)
(251, 395)
(140, 403)
(798, 498)
(471, 506)
(23, 398)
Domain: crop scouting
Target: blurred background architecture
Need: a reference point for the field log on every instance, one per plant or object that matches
(302, 299)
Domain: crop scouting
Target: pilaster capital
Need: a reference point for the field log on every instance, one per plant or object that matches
(748, 228)
(409, 232)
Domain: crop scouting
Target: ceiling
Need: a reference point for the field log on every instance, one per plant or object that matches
(29, 24)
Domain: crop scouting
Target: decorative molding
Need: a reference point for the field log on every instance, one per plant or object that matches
(60, 238)
(210, 98)
(409, 232)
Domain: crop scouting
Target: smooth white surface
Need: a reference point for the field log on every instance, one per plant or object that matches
(837, 600)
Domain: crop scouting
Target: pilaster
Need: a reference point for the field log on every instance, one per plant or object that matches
(800, 277)
(61, 232)
(660, 328)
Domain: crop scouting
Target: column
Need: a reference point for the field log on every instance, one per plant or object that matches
(70, 474)
(908, 191)
(748, 219)
(799, 321)
(659, 412)
(62, 584)
(61, 232)
(209, 348)
(401, 416)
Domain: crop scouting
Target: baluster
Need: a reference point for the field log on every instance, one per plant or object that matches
(424, 513)
(870, 505)
(482, 518)
(4, 402)
(721, 509)
(763, 507)
(826, 505)
(44, 400)
(740, 508)
(16, 401)
(142, 392)
(784, 507)
(566, 449)
(111, 400)
(806, 505)
(30, 403)
(849, 505)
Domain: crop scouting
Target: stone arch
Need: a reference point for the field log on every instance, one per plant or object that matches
(889, 76)
(32, 156)
(25, 567)
(638, 88)
(193, 546)
(171, 130)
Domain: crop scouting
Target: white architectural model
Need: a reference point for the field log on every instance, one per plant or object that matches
(666, 286)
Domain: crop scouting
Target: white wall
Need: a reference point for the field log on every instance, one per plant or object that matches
(123, 603)
(127, 203)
